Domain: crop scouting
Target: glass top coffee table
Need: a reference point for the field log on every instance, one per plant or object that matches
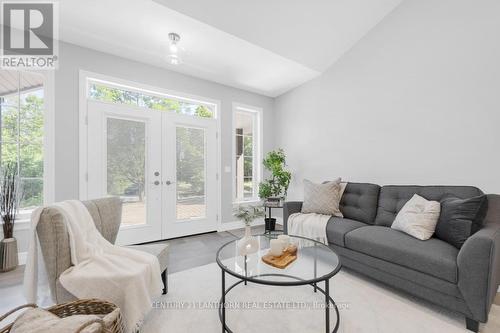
(315, 263)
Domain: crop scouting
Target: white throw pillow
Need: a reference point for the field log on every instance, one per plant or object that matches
(418, 217)
(343, 186)
(322, 198)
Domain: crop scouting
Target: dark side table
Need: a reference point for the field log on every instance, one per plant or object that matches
(268, 228)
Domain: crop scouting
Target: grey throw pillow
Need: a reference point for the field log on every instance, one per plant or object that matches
(460, 218)
(322, 198)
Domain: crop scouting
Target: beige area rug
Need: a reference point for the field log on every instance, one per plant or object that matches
(365, 306)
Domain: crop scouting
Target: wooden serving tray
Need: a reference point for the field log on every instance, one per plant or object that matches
(289, 255)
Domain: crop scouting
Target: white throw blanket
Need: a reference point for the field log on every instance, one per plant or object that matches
(311, 225)
(128, 278)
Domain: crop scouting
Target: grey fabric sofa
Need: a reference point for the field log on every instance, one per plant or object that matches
(54, 242)
(463, 280)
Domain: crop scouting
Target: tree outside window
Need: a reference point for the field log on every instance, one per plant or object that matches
(22, 126)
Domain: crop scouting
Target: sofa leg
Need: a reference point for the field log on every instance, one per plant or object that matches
(472, 325)
(165, 281)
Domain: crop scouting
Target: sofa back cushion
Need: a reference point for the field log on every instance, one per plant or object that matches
(359, 202)
(393, 197)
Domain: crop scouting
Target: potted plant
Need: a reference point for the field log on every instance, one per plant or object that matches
(9, 200)
(248, 244)
(274, 189)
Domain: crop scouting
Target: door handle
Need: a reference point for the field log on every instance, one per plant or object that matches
(168, 182)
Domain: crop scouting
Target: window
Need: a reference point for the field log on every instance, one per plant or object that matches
(106, 92)
(21, 132)
(247, 153)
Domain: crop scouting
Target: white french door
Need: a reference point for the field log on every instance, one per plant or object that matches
(190, 167)
(162, 165)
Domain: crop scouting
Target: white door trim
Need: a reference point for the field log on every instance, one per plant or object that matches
(84, 77)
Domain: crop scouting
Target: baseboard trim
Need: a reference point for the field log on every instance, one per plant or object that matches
(239, 224)
(235, 225)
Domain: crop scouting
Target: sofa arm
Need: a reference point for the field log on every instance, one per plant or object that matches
(479, 264)
(289, 208)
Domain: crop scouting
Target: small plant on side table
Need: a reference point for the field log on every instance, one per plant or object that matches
(274, 189)
(277, 185)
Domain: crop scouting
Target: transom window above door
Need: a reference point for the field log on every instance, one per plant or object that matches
(113, 93)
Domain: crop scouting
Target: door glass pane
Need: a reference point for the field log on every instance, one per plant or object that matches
(190, 157)
(126, 163)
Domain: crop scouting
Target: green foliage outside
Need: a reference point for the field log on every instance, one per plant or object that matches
(248, 166)
(115, 95)
(29, 146)
(190, 162)
(126, 157)
(277, 185)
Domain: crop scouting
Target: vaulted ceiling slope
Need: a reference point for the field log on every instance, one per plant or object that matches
(267, 47)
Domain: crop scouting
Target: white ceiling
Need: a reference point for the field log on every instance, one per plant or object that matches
(268, 47)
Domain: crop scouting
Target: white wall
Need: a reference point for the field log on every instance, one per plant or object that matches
(72, 58)
(417, 101)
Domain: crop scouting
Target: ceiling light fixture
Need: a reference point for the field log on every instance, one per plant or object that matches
(174, 50)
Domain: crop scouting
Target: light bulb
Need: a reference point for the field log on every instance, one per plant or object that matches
(173, 48)
(174, 59)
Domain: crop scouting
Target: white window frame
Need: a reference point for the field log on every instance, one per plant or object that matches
(257, 149)
(23, 223)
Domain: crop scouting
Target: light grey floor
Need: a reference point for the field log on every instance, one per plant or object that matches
(184, 253)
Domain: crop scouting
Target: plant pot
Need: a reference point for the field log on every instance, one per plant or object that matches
(248, 244)
(8, 254)
(270, 224)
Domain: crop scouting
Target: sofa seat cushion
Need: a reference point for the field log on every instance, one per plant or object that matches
(338, 227)
(434, 256)
(159, 250)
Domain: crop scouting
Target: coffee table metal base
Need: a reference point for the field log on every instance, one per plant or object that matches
(328, 299)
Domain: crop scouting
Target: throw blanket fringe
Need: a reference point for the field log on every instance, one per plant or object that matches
(128, 278)
(310, 225)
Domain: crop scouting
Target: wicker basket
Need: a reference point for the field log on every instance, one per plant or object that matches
(111, 321)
